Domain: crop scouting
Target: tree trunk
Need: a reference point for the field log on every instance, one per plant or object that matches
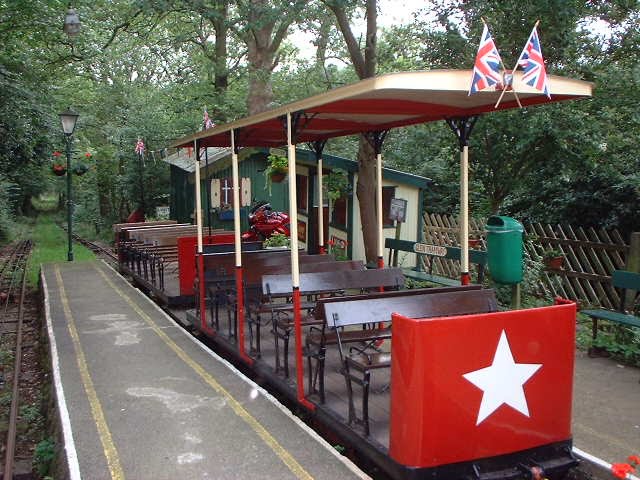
(365, 67)
(221, 81)
(366, 193)
(260, 92)
(27, 207)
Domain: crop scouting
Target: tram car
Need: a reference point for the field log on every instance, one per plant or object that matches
(426, 383)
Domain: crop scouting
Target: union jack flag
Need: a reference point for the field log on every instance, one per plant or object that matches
(139, 147)
(535, 75)
(486, 70)
(206, 121)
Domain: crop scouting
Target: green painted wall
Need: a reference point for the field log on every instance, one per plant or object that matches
(182, 198)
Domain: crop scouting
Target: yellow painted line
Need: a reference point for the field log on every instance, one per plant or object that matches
(110, 452)
(237, 408)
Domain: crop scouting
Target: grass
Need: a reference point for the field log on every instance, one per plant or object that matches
(50, 245)
(47, 202)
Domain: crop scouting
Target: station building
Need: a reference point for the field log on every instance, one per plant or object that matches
(342, 226)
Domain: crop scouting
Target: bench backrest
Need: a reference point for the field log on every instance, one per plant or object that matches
(356, 311)
(127, 233)
(254, 275)
(479, 257)
(226, 261)
(326, 282)
(144, 234)
(230, 247)
(117, 227)
(625, 280)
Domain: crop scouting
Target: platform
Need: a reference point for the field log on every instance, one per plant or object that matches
(139, 398)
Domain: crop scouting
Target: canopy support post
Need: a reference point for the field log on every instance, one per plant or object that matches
(462, 127)
(292, 130)
(376, 139)
(318, 147)
(238, 251)
(207, 186)
(199, 253)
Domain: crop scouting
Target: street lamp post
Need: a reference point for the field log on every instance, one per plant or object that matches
(68, 119)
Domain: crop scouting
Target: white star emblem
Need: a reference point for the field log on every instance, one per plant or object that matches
(502, 382)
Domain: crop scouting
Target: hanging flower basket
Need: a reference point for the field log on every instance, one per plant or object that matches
(278, 177)
(59, 170)
(80, 169)
(553, 259)
(554, 263)
(474, 242)
(276, 171)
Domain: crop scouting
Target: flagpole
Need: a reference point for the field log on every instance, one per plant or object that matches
(504, 69)
(517, 62)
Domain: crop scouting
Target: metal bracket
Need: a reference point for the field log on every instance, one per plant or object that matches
(462, 127)
(376, 139)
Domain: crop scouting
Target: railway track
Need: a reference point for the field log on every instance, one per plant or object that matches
(13, 275)
(97, 249)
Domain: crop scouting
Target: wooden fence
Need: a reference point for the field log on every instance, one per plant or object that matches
(590, 256)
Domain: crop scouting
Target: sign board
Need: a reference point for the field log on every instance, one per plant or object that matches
(398, 210)
(162, 213)
(435, 250)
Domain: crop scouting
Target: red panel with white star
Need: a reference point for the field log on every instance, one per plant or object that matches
(477, 386)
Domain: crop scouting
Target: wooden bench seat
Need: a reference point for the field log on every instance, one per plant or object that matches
(219, 270)
(317, 284)
(367, 311)
(625, 281)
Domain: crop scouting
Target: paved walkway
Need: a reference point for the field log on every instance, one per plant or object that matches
(139, 398)
(143, 399)
(606, 408)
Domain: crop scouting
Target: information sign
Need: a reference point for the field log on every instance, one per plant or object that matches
(398, 210)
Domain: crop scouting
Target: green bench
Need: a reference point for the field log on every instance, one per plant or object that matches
(476, 257)
(624, 281)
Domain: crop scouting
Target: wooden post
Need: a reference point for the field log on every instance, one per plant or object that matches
(515, 296)
(395, 252)
(632, 264)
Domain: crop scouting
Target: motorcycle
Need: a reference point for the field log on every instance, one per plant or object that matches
(264, 222)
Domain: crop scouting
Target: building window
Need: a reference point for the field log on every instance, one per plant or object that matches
(302, 192)
(387, 194)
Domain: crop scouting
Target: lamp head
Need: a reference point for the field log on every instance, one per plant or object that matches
(68, 119)
(71, 23)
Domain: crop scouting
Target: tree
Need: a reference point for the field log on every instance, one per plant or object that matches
(263, 25)
(364, 62)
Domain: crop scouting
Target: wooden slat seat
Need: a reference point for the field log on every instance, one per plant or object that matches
(279, 311)
(221, 284)
(322, 283)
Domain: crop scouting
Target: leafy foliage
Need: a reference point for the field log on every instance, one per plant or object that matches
(148, 68)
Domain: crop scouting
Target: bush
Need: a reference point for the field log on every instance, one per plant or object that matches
(7, 222)
(43, 456)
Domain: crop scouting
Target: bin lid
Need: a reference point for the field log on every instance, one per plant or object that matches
(502, 224)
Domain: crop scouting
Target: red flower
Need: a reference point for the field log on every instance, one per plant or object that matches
(621, 470)
(331, 243)
(56, 154)
(635, 459)
(88, 155)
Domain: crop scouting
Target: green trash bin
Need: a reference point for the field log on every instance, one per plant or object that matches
(504, 249)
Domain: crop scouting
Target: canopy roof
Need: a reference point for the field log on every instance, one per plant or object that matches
(382, 103)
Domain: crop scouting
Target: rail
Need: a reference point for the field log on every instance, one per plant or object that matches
(13, 277)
